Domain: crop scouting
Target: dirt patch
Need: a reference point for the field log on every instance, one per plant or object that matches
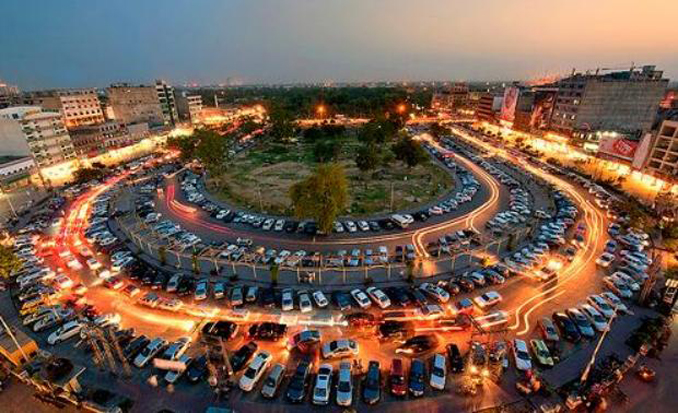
(262, 182)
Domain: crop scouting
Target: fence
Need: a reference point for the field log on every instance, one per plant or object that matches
(161, 252)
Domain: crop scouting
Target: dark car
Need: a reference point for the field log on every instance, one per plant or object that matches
(389, 330)
(296, 389)
(465, 284)
(418, 345)
(418, 297)
(148, 278)
(398, 295)
(219, 330)
(159, 281)
(291, 226)
(197, 369)
(135, 346)
(268, 298)
(243, 355)
(453, 288)
(567, 326)
(359, 320)
(304, 341)
(372, 383)
(341, 300)
(417, 378)
(186, 287)
(454, 358)
(267, 331)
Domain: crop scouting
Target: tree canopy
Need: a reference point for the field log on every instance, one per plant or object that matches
(88, 174)
(9, 262)
(322, 196)
(409, 151)
(212, 149)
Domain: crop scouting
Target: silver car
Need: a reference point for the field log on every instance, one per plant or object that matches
(345, 385)
(272, 382)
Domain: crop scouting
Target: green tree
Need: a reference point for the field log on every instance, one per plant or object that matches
(322, 196)
(367, 159)
(409, 151)
(437, 130)
(88, 174)
(184, 144)
(326, 150)
(9, 262)
(282, 126)
(212, 150)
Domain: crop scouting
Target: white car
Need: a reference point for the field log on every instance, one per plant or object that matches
(605, 259)
(305, 304)
(600, 304)
(120, 255)
(436, 292)
(488, 299)
(68, 330)
(201, 290)
(148, 352)
(340, 348)
(438, 372)
(379, 297)
(350, 226)
(361, 299)
(287, 301)
(345, 385)
(320, 299)
(119, 265)
(363, 225)
(321, 391)
(597, 319)
(93, 264)
(279, 225)
(255, 371)
(522, 355)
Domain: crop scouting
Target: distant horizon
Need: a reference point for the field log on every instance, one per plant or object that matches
(270, 42)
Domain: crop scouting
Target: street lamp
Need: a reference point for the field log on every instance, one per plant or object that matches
(320, 110)
(401, 108)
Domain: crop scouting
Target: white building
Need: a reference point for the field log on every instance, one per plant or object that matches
(30, 130)
(189, 107)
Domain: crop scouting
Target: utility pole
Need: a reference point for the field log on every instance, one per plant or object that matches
(392, 187)
(592, 362)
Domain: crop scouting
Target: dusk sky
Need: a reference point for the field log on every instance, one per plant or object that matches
(93, 43)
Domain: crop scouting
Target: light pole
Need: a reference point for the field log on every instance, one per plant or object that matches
(592, 362)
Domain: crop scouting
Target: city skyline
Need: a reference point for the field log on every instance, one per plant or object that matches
(266, 42)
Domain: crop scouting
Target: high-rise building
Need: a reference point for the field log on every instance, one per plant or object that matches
(662, 160)
(189, 106)
(134, 104)
(167, 102)
(79, 107)
(32, 130)
(623, 102)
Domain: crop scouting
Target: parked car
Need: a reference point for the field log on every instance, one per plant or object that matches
(438, 372)
(521, 355)
(255, 371)
(298, 385)
(323, 381)
(372, 384)
(345, 385)
(272, 381)
(417, 378)
(340, 348)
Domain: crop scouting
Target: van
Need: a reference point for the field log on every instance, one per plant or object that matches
(272, 382)
(400, 220)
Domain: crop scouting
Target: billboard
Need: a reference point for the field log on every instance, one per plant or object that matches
(508, 106)
(544, 101)
(617, 147)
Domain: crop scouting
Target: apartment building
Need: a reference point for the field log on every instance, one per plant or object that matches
(134, 104)
(79, 107)
(662, 160)
(624, 102)
(189, 107)
(32, 130)
(167, 101)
